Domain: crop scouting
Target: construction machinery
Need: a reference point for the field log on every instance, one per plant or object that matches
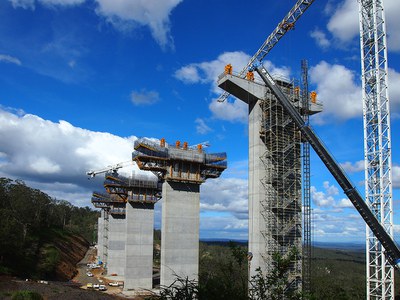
(112, 168)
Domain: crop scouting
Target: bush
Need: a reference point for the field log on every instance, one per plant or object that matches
(26, 295)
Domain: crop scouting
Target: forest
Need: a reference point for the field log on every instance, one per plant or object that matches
(30, 222)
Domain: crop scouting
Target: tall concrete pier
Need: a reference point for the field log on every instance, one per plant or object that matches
(274, 172)
(129, 206)
(143, 193)
(183, 170)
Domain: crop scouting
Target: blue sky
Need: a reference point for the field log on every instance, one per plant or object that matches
(81, 80)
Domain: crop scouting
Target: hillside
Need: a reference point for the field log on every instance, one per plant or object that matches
(41, 237)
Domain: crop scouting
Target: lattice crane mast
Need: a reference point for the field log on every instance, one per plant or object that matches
(284, 26)
(113, 168)
(377, 143)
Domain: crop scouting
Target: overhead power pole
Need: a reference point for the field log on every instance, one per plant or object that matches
(377, 144)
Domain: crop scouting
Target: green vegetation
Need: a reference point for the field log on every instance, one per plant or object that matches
(26, 295)
(30, 222)
(223, 275)
(335, 275)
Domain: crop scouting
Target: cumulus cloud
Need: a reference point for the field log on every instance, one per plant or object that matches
(144, 97)
(341, 95)
(202, 127)
(394, 89)
(320, 38)
(326, 198)
(30, 4)
(233, 109)
(344, 23)
(396, 176)
(152, 13)
(353, 167)
(338, 91)
(225, 195)
(43, 153)
(9, 59)
(124, 14)
(25, 4)
(345, 203)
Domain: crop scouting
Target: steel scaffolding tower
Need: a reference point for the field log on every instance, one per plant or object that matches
(282, 183)
(377, 144)
(306, 184)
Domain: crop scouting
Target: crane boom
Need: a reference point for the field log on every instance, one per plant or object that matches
(93, 173)
(337, 172)
(284, 26)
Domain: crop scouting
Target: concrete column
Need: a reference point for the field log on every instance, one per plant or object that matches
(116, 245)
(179, 231)
(139, 246)
(256, 190)
(100, 238)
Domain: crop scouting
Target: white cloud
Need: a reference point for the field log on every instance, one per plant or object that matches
(353, 168)
(345, 203)
(225, 195)
(202, 127)
(30, 4)
(208, 72)
(331, 190)
(9, 59)
(42, 152)
(394, 89)
(344, 23)
(396, 176)
(144, 97)
(341, 95)
(61, 2)
(25, 4)
(188, 74)
(320, 38)
(320, 198)
(337, 89)
(124, 14)
(233, 109)
(152, 13)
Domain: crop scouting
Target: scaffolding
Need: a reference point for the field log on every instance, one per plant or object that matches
(306, 183)
(105, 237)
(282, 183)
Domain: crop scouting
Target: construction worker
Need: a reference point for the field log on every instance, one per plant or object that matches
(250, 75)
(228, 69)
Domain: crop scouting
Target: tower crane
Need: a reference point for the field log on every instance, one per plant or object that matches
(113, 168)
(377, 144)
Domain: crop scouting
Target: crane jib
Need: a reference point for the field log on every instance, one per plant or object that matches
(334, 168)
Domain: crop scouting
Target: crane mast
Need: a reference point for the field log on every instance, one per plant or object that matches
(377, 144)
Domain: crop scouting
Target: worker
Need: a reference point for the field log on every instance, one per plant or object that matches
(228, 69)
(313, 97)
(250, 75)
